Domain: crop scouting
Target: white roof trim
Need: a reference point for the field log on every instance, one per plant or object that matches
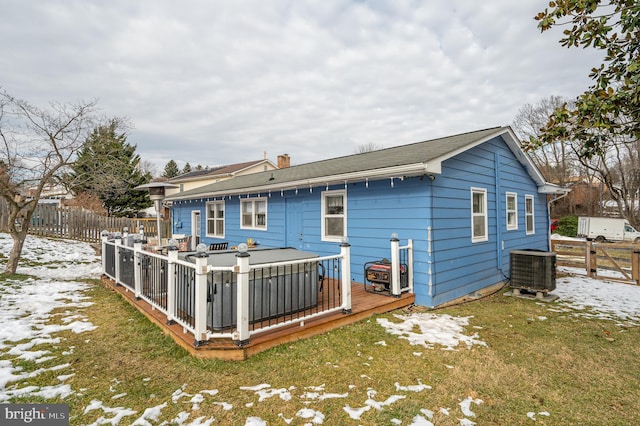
(551, 188)
(416, 169)
(387, 172)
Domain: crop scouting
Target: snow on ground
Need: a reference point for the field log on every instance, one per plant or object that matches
(598, 298)
(56, 269)
(65, 260)
(26, 308)
(435, 329)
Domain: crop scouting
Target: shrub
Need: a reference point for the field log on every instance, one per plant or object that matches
(568, 226)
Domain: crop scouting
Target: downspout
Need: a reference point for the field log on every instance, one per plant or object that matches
(553, 200)
(430, 255)
(499, 242)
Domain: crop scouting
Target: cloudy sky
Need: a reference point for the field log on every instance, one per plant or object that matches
(220, 82)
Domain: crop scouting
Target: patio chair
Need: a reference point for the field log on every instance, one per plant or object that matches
(218, 246)
(184, 244)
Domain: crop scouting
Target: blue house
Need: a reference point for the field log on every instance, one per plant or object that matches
(465, 201)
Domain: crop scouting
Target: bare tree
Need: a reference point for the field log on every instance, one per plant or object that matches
(147, 167)
(613, 170)
(37, 146)
(557, 161)
(368, 147)
(618, 167)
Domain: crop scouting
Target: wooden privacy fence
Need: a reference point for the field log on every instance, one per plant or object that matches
(82, 225)
(615, 261)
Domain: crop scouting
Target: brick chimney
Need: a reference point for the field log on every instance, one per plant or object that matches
(284, 161)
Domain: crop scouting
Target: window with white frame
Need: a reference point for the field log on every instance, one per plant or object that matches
(253, 213)
(528, 212)
(512, 210)
(215, 219)
(479, 227)
(334, 215)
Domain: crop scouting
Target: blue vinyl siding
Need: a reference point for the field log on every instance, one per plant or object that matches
(374, 213)
(410, 207)
(460, 266)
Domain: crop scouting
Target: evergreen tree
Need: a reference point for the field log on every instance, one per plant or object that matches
(108, 168)
(187, 168)
(171, 170)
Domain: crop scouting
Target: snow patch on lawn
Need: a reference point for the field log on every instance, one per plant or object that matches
(429, 330)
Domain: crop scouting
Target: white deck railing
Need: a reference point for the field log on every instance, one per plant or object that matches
(232, 302)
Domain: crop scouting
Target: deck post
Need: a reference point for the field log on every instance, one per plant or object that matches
(395, 265)
(118, 242)
(137, 269)
(592, 260)
(410, 265)
(345, 254)
(635, 266)
(104, 236)
(200, 328)
(172, 256)
(242, 268)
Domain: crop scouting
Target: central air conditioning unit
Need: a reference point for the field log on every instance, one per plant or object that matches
(533, 270)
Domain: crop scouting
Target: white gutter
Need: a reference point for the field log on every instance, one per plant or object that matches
(201, 177)
(396, 171)
(550, 188)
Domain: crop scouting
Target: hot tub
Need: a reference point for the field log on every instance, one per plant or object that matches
(274, 291)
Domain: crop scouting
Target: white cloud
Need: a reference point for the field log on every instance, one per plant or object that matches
(221, 82)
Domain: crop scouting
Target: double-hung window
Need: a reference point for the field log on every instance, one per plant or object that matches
(479, 227)
(512, 211)
(215, 219)
(528, 212)
(253, 213)
(334, 215)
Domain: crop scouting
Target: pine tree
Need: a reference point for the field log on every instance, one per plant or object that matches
(187, 168)
(171, 170)
(108, 168)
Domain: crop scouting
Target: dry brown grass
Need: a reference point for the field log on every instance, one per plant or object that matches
(581, 371)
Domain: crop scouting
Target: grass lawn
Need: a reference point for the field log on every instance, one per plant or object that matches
(537, 359)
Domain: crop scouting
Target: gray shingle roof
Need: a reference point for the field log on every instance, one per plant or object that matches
(395, 157)
(214, 171)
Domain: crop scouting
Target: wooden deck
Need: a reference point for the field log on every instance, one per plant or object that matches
(364, 304)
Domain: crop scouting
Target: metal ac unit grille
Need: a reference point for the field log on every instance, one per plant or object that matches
(533, 270)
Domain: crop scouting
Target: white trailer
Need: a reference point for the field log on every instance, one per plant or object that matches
(607, 229)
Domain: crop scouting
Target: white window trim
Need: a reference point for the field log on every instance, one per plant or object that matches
(325, 194)
(511, 227)
(484, 237)
(253, 213)
(527, 214)
(207, 218)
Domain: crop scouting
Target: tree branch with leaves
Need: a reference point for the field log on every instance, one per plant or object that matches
(610, 107)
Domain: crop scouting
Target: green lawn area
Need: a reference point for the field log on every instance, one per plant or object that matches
(538, 359)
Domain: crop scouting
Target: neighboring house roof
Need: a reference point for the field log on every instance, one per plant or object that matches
(53, 192)
(421, 158)
(220, 171)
